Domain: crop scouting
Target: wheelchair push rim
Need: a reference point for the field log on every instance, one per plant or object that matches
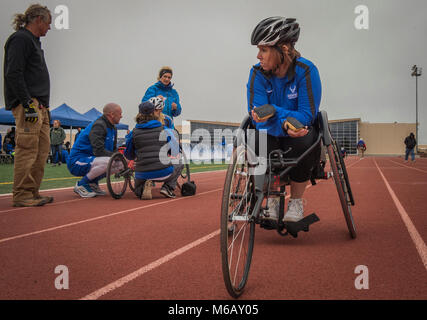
(341, 186)
(117, 181)
(237, 225)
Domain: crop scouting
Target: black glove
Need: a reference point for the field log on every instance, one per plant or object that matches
(31, 112)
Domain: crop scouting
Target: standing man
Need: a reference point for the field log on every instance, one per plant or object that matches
(91, 152)
(410, 143)
(57, 137)
(27, 93)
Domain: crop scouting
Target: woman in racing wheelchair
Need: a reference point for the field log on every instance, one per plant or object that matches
(284, 93)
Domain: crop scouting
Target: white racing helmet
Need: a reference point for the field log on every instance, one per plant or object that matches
(159, 103)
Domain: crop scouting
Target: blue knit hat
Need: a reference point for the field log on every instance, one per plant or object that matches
(146, 108)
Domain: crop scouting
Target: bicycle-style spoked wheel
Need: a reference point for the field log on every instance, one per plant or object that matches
(342, 189)
(131, 175)
(237, 225)
(344, 171)
(185, 173)
(117, 175)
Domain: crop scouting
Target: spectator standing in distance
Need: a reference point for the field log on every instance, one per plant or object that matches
(57, 137)
(410, 143)
(27, 94)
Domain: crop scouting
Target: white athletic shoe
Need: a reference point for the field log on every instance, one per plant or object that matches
(273, 208)
(97, 189)
(295, 211)
(84, 191)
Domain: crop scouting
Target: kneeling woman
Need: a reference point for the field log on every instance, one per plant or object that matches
(147, 144)
(291, 84)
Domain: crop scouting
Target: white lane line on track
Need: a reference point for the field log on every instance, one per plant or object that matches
(413, 232)
(132, 276)
(106, 216)
(41, 208)
(4, 195)
(79, 199)
(101, 217)
(403, 165)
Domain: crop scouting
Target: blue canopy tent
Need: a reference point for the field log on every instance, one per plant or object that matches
(69, 117)
(94, 114)
(6, 117)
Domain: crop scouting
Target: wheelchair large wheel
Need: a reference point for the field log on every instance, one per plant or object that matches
(185, 173)
(131, 175)
(237, 225)
(343, 191)
(117, 175)
(344, 171)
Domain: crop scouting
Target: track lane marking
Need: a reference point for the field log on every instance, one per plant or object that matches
(413, 232)
(4, 195)
(402, 165)
(100, 217)
(78, 199)
(132, 276)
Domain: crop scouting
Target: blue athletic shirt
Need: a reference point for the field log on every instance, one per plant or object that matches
(297, 95)
(83, 148)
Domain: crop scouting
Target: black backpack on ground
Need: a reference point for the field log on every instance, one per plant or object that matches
(188, 189)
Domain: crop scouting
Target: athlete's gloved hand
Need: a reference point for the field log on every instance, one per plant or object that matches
(31, 112)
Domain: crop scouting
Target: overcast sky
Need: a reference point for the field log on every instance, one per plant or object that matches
(113, 50)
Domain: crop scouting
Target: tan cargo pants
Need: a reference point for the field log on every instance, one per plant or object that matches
(31, 152)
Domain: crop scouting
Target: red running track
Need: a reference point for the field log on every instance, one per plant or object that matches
(169, 248)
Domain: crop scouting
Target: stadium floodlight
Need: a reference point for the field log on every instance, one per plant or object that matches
(416, 72)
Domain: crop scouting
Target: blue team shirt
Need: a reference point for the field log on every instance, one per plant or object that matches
(297, 95)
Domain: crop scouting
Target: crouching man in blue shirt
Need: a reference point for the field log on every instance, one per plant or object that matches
(91, 153)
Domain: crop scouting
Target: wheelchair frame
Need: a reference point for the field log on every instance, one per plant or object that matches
(245, 200)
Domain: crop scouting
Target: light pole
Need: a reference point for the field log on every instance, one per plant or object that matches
(416, 72)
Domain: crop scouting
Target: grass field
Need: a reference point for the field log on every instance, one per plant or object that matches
(60, 177)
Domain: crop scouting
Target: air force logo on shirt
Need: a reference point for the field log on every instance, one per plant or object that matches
(293, 93)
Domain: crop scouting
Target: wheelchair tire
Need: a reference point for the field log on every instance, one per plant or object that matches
(344, 171)
(237, 226)
(341, 186)
(131, 180)
(117, 182)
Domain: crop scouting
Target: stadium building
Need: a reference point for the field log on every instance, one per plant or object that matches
(380, 138)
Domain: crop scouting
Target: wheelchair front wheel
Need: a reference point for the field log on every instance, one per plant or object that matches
(237, 225)
(341, 184)
(117, 175)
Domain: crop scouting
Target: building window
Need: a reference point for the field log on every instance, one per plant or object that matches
(346, 133)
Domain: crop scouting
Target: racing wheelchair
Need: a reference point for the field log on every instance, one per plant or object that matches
(119, 179)
(244, 202)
